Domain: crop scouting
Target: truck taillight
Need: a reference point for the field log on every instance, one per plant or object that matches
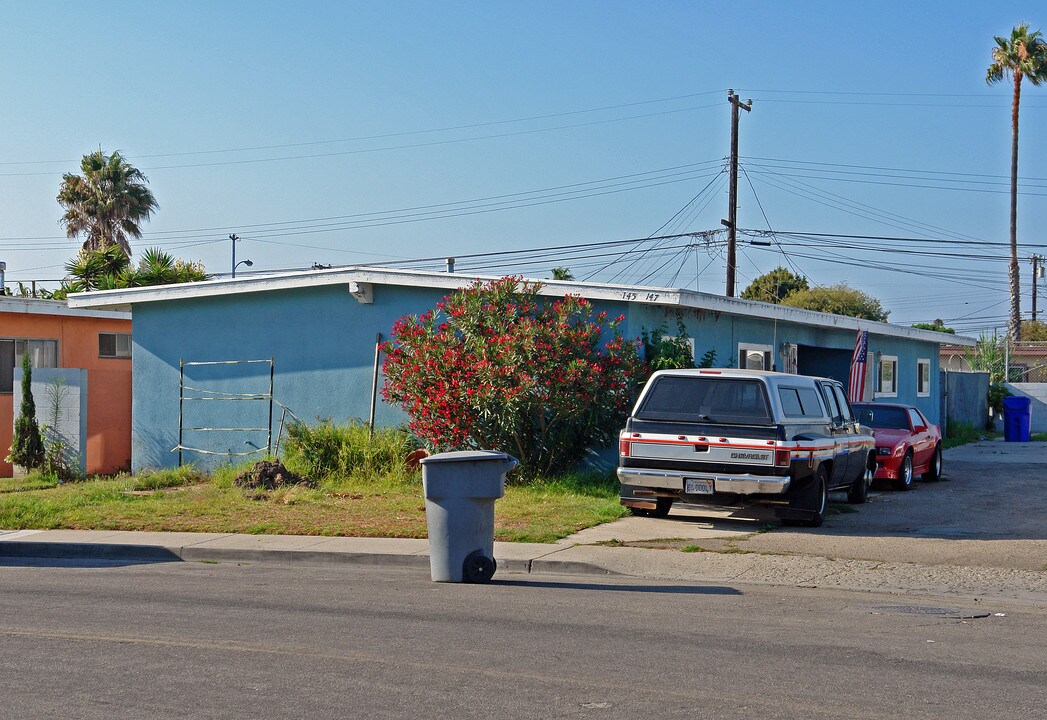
(782, 457)
(623, 447)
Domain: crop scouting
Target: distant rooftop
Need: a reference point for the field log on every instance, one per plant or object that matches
(36, 306)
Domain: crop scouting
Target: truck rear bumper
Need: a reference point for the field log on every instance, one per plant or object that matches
(740, 484)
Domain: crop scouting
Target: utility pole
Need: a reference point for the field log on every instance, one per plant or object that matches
(233, 240)
(1037, 264)
(732, 210)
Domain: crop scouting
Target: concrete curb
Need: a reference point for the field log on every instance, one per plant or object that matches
(27, 549)
(579, 560)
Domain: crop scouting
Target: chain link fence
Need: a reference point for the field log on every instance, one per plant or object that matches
(1014, 368)
(1005, 361)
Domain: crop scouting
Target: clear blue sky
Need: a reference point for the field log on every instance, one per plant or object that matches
(588, 122)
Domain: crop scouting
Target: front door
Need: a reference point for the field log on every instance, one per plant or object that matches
(839, 432)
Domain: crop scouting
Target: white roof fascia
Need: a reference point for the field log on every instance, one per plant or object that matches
(35, 306)
(124, 298)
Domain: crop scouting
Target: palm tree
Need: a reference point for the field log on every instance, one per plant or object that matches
(110, 269)
(107, 203)
(157, 267)
(97, 269)
(1023, 55)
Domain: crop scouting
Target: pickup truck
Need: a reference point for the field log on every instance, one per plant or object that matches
(726, 436)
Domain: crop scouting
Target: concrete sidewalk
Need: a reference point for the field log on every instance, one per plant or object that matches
(1027, 587)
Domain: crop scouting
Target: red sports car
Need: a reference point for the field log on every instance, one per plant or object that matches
(906, 444)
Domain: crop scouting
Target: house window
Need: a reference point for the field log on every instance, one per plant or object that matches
(923, 378)
(887, 376)
(114, 345)
(754, 357)
(42, 354)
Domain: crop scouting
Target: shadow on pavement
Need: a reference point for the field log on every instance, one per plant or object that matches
(41, 553)
(667, 589)
(72, 563)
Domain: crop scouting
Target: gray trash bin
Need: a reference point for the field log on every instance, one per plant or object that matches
(460, 490)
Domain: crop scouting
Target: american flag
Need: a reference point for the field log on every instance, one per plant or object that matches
(856, 386)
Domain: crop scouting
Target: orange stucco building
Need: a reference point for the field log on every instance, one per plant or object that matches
(58, 336)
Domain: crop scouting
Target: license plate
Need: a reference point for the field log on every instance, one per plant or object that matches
(697, 487)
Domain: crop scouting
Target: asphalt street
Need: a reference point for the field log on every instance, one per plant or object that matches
(224, 640)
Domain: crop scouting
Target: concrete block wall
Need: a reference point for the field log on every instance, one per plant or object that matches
(72, 407)
(1037, 393)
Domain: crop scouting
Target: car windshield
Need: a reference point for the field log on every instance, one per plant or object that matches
(883, 417)
(706, 399)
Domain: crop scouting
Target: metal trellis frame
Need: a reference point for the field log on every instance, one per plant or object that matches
(205, 395)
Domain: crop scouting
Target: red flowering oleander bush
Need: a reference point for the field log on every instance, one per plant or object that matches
(495, 366)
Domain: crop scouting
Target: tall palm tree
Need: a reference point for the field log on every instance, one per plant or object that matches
(107, 203)
(1021, 56)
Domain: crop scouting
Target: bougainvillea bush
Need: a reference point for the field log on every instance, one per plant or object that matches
(495, 366)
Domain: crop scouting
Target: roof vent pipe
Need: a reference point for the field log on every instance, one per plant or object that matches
(450, 265)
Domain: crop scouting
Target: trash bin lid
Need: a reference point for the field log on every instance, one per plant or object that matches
(467, 456)
(1017, 402)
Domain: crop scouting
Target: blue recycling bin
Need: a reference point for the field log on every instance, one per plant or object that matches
(1017, 418)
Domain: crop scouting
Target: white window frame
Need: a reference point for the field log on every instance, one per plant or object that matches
(117, 354)
(893, 390)
(764, 351)
(21, 344)
(922, 363)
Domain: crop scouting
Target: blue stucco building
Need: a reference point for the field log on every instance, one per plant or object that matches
(314, 333)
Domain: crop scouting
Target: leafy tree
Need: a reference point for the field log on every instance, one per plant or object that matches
(27, 448)
(938, 326)
(97, 269)
(1034, 330)
(667, 353)
(839, 300)
(1023, 55)
(562, 273)
(107, 203)
(988, 356)
(775, 286)
(495, 366)
(157, 267)
(109, 269)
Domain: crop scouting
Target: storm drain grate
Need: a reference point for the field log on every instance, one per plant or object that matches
(951, 613)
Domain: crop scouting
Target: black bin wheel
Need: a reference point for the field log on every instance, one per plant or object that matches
(478, 568)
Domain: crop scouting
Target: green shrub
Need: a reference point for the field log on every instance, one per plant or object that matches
(167, 478)
(27, 449)
(664, 352)
(960, 433)
(325, 449)
(498, 366)
(997, 392)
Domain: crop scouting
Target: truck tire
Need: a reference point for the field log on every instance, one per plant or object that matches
(813, 501)
(858, 492)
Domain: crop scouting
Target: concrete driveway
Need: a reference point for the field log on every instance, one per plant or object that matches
(989, 510)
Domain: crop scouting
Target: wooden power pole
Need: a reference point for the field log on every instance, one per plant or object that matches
(1036, 265)
(732, 210)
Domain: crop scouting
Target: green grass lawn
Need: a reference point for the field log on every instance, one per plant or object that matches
(375, 506)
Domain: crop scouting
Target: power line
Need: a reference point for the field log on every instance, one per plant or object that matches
(683, 172)
(411, 146)
(886, 168)
(449, 128)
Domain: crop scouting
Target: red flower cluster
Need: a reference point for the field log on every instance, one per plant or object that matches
(494, 367)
